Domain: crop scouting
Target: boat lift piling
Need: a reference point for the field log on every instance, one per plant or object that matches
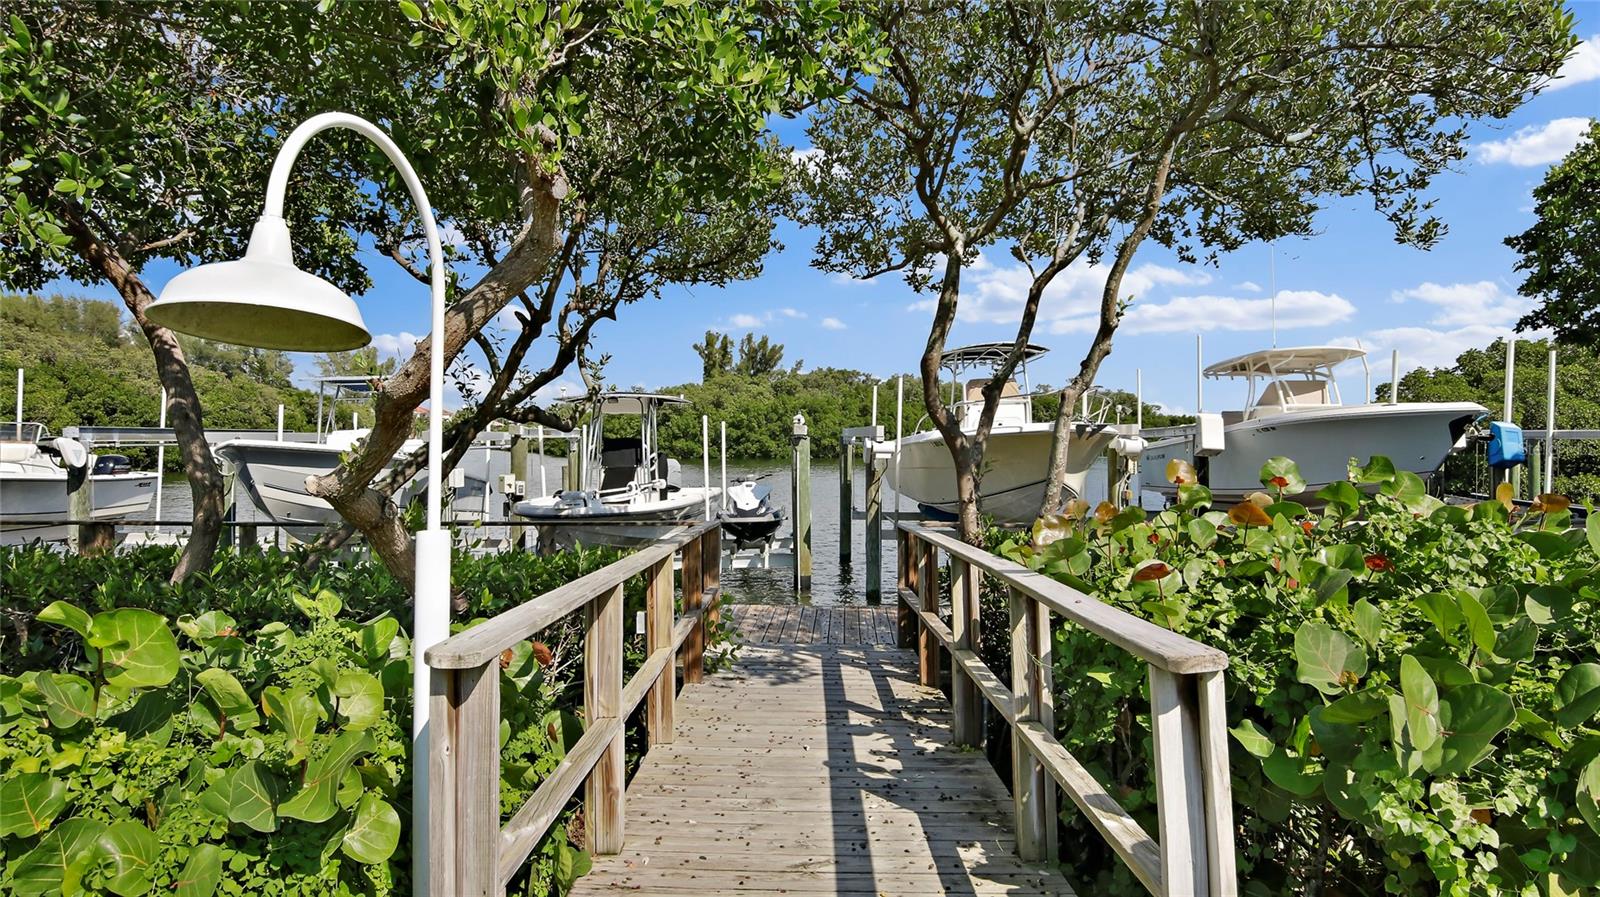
(875, 469)
(1511, 375)
(1550, 426)
(801, 440)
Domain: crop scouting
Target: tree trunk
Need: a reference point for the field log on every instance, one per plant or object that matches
(183, 405)
(1110, 317)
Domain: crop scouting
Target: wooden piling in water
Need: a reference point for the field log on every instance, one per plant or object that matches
(86, 538)
(874, 528)
(846, 499)
(802, 504)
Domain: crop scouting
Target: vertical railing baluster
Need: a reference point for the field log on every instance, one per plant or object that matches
(1027, 776)
(694, 648)
(443, 752)
(658, 625)
(711, 571)
(602, 700)
(1180, 807)
(965, 604)
(908, 555)
(1218, 784)
(928, 647)
(1044, 708)
(477, 781)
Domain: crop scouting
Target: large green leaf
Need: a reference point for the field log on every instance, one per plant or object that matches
(1547, 604)
(360, 698)
(137, 648)
(1470, 718)
(377, 636)
(58, 863)
(129, 850)
(1340, 497)
(1421, 703)
(1442, 611)
(69, 615)
(229, 698)
(149, 717)
(1369, 622)
(375, 833)
(1517, 641)
(1479, 627)
(1577, 697)
(1283, 476)
(316, 800)
(1377, 470)
(202, 874)
(1408, 489)
(1255, 742)
(1356, 708)
(1328, 659)
(29, 802)
(295, 713)
(253, 796)
(69, 699)
(1296, 775)
(1589, 794)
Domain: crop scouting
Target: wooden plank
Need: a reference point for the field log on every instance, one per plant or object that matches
(1120, 830)
(477, 780)
(1045, 713)
(484, 642)
(1217, 783)
(928, 648)
(988, 684)
(441, 781)
(692, 574)
(542, 808)
(1027, 774)
(966, 635)
(602, 700)
(659, 626)
(1179, 804)
(910, 576)
(1159, 646)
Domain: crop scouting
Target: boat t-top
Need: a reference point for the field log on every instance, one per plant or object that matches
(624, 479)
(1294, 409)
(1017, 460)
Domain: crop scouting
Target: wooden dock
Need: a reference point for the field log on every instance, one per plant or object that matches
(817, 765)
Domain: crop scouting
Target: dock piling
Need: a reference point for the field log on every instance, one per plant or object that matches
(846, 499)
(802, 504)
(874, 528)
(88, 538)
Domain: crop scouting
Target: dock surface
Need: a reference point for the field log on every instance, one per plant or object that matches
(816, 765)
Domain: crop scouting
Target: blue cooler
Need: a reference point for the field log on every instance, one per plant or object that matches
(1505, 445)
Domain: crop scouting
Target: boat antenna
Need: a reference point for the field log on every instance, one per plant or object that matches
(1272, 287)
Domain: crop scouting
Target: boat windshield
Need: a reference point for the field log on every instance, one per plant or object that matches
(23, 431)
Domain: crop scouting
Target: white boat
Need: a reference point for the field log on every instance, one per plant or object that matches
(274, 472)
(1016, 462)
(33, 484)
(1294, 410)
(630, 488)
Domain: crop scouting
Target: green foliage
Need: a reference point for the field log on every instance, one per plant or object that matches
(1412, 689)
(1479, 376)
(259, 743)
(1561, 251)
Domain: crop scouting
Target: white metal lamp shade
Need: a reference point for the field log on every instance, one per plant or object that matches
(261, 300)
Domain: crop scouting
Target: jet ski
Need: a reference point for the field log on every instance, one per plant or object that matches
(749, 516)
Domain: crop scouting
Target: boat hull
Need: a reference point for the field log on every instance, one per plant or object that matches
(616, 524)
(116, 496)
(1416, 436)
(1016, 470)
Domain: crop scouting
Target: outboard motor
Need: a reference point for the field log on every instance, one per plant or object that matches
(112, 464)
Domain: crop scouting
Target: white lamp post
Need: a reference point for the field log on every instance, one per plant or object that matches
(263, 300)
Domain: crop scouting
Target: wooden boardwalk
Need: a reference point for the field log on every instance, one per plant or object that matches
(772, 624)
(817, 765)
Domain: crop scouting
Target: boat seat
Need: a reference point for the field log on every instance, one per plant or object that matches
(1295, 392)
(17, 451)
(975, 389)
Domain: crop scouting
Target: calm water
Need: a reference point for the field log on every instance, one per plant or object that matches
(832, 583)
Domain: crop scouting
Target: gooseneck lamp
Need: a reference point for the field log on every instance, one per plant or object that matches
(264, 300)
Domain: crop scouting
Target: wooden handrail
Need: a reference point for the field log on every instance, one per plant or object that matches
(469, 852)
(1195, 853)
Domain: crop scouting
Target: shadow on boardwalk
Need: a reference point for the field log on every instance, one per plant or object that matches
(818, 767)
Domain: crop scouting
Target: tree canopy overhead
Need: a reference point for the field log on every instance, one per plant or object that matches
(1070, 132)
(1561, 251)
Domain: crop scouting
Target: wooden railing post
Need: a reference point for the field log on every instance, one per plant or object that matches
(476, 732)
(658, 625)
(965, 599)
(711, 570)
(1028, 779)
(928, 646)
(907, 558)
(694, 648)
(443, 752)
(1218, 785)
(602, 700)
(1180, 798)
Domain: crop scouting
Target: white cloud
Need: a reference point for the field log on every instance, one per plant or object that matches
(1249, 286)
(846, 280)
(1536, 144)
(1461, 304)
(794, 313)
(1581, 67)
(748, 322)
(1192, 314)
(995, 294)
(1428, 347)
(833, 324)
(399, 345)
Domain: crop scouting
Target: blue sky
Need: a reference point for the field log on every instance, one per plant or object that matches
(1349, 282)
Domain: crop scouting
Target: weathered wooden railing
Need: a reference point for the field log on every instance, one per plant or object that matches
(470, 853)
(1195, 855)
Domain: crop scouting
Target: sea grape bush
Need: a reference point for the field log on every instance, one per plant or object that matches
(1413, 692)
(258, 743)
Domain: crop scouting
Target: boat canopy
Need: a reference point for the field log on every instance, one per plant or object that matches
(352, 383)
(635, 402)
(986, 354)
(1281, 362)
